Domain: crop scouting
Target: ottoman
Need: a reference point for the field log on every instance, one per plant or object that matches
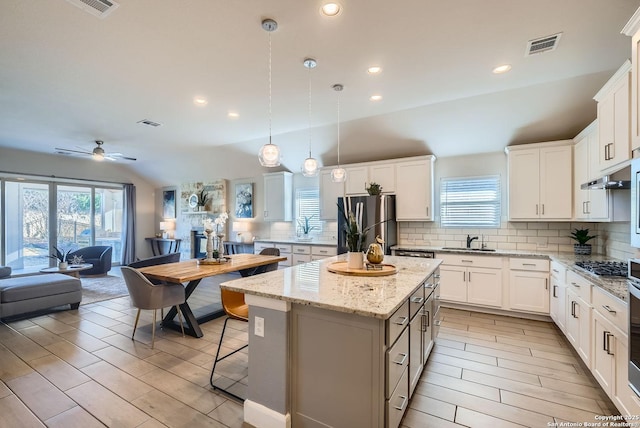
(25, 294)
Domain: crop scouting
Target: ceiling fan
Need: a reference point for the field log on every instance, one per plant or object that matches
(97, 154)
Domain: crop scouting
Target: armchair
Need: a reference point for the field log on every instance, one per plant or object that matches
(98, 256)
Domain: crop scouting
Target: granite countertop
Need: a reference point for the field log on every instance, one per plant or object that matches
(314, 241)
(616, 286)
(311, 284)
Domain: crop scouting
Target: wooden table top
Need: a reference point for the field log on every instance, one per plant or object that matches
(190, 270)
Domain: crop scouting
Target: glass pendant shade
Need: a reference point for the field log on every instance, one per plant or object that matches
(310, 167)
(269, 155)
(338, 175)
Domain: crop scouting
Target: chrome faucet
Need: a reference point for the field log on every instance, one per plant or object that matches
(470, 240)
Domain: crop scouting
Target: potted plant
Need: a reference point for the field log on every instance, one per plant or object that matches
(356, 238)
(203, 197)
(305, 226)
(374, 189)
(582, 237)
(61, 256)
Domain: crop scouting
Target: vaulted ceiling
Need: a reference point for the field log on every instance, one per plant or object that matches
(68, 78)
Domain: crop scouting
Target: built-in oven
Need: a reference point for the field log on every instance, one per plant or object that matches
(635, 202)
(634, 325)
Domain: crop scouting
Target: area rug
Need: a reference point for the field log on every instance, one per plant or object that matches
(97, 289)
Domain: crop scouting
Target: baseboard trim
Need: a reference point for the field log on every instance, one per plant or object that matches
(505, 312)
(263, 417)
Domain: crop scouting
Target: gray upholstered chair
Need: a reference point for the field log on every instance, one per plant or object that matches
(146, 295)
(266, 268)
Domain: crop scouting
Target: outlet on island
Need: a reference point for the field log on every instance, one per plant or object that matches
(258, 329)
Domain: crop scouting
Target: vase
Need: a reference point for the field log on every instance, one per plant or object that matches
(209, 247)
(63, 265)
(221, 246)
(584, 249)
(355, 260)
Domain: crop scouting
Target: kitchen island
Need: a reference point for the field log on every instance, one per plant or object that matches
(333, 350)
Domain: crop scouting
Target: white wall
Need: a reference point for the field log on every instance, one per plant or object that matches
(23, 162)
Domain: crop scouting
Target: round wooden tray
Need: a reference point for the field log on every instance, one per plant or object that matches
(342, 269)
(213, 261)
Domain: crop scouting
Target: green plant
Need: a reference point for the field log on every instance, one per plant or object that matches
(306, 225)
(581, 236)
(374, 188)
(60, 255)
(203, 197)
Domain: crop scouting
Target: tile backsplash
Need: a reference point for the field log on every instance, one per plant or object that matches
(613, 238)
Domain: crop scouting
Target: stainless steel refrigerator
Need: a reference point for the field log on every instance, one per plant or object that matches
(379, 210)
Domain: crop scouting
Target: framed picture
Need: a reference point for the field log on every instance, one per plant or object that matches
(169, 204)
(244, 200)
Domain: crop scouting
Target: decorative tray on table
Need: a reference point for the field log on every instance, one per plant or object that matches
(382, 269)
(221, 261)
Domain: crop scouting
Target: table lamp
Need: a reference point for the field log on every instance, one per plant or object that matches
(242, 230)
(167, 228)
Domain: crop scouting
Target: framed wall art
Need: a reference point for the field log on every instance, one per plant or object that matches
(169, 204)
(244, 200)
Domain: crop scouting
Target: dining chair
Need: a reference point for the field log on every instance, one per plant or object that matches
(236, 309)
(146, 295)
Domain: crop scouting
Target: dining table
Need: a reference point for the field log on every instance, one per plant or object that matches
(189, 273)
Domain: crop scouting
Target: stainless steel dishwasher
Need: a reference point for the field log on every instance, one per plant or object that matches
(415, 253)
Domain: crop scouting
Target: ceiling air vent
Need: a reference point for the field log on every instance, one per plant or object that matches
(99, 8)
(543, 44)
(148, 123)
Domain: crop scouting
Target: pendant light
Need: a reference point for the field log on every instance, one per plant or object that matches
(310, 165)
(338, 174)
(269, 154)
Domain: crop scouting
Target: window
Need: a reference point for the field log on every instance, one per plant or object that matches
(470, 202)
(308, 205)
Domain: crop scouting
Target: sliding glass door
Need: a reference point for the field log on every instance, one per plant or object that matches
(107, 222)
(26, 225)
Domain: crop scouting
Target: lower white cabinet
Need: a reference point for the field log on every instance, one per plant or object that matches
(529, 285)
(471, 279)
(578, 326)
(558, 295)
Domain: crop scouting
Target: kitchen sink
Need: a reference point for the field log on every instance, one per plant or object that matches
(469, 249)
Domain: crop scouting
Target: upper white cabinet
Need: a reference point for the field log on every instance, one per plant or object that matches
(540, 181)
(359, 176)
(329, 194)
(614, 119)
(414, 193)
(632, 29)
(278, 194)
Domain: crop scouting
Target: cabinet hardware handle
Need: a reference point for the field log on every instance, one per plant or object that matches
(536, 209)
(466, 261)
(404, 403)
(588, 207)
(583, 209)
(542, 209)
(573, 309)
(608, 308)
(464, 277)
(555, 287)
(436, 275)
(402, 320)
(609, 344)
(401, 362)
(322, 251)
(469, 276)
(546, 284)
(575, 285)
(604, 341)
(606, 152)
(428, 285)
(428, 317)
(555, 270)
(427, 211)
(437, 323)
(612, 153)
(423, 323)
(417, 299)
(528, 264)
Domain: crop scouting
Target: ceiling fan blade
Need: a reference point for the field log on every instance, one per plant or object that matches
(107, 157)
(128, 158)
(73, 151)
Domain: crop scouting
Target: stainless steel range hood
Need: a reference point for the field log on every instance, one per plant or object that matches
(617, 180)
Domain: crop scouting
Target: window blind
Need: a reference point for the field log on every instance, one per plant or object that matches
(470, 202)
(307, 205)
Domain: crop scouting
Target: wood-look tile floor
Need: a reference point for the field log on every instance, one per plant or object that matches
(81, 369)
(496, 371)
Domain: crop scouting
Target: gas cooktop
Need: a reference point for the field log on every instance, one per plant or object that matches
(604, 268)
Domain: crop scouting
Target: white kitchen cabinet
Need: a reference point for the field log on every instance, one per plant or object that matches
(558, 294)
(383, 173)
(329, 194)
(473, 280)
(278, 195)
(357, 179)
(605, 338)
(414, 193)
(540, 181)
(632, 29)
(529, 285)
(614, 119)
(578, 324)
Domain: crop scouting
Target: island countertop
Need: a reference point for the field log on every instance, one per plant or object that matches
(312, 284)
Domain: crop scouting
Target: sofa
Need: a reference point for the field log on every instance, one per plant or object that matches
(98, 256)
(24, 294)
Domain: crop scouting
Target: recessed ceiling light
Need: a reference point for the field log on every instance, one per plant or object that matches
(233, 115)
(200, 101)
(331, 9)
(374, 70)
(501, 69)
(375, 97)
